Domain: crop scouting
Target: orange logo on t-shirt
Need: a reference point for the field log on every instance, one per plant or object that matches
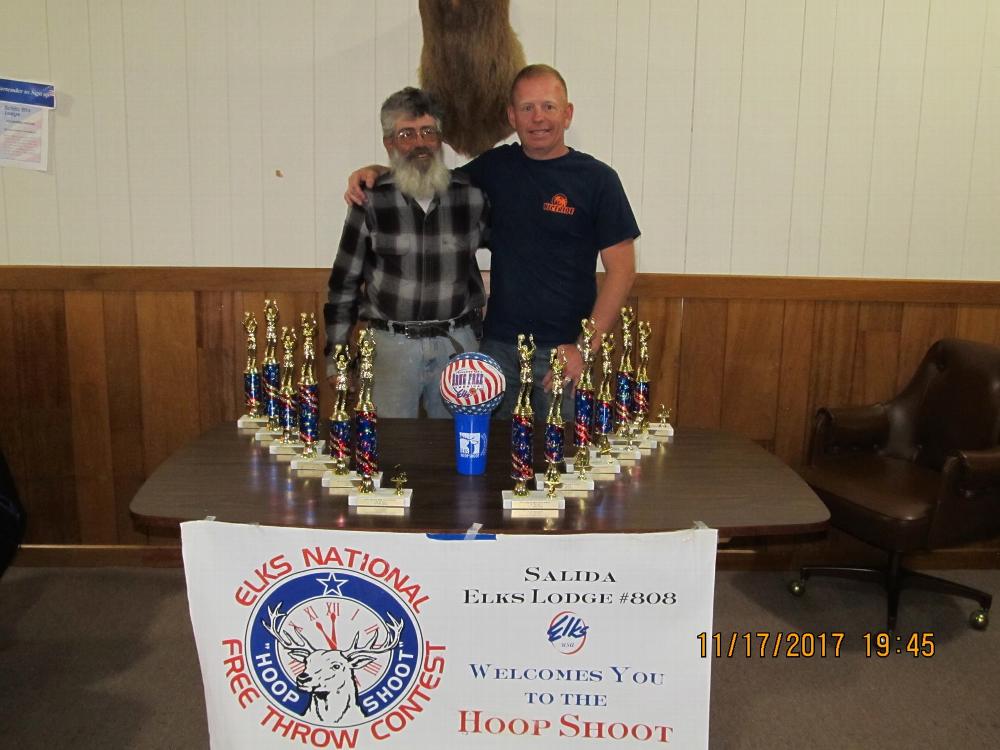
(559, 205)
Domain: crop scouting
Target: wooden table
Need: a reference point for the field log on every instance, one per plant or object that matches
(721, 479)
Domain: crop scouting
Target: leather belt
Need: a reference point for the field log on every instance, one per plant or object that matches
(425, 329)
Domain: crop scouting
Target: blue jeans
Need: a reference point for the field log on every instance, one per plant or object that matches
(409, 370)
(506, 356)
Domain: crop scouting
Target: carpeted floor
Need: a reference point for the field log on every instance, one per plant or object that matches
(104, 658)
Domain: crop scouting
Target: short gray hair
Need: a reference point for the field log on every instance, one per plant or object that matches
(408, 103)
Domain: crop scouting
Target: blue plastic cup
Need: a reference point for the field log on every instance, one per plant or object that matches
(472, 432)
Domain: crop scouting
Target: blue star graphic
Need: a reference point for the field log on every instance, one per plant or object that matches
(332, 584)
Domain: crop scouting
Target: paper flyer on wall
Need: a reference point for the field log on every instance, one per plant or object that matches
(24, 123)
(321, 638)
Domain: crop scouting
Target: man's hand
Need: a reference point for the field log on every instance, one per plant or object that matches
(361, 179)
(574, 366)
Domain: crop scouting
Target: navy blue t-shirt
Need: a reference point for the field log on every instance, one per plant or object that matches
(550, 219)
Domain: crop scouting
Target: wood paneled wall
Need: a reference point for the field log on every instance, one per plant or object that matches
(106, 371)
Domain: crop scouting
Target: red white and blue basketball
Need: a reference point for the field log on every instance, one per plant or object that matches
(472, 383)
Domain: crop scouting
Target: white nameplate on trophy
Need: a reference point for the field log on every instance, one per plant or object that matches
(661, 428)
(377, 510)
(265, 435)
(644, 444)
(246, 421)
(295, 446)
(531, 513)
(382, 498)
(533, 500)
(319, 463)
(567, 482)
(601, 468)
(348, 480)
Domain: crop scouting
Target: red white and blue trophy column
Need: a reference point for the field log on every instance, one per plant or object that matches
(555, 431)
(308, 389)
(604, 421)
(365, 416)
(272, 374)
(472, 386)
(251, 378)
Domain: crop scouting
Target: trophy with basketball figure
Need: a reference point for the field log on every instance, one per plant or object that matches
(570, 484)
(366, 455)
(254, 417)
(272, 375)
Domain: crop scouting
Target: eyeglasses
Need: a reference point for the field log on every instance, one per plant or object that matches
(427, 133)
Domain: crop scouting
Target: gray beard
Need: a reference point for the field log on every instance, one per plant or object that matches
(416, 184)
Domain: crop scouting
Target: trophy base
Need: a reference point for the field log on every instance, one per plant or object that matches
(534, 500)
(320, 463)
(296, 446)
(644, 444)
(246, 421)
(621, 454)
(569, 482)
(659, 437)
(264, 435)
(348, 481)
(381, 498)
(661, 428)
(601, 468)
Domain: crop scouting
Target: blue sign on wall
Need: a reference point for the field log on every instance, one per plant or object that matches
(27, 92)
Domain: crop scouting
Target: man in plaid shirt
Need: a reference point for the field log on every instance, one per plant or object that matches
(407, 263)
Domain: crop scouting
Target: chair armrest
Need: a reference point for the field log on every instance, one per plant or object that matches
(973, 472)
(845, 429)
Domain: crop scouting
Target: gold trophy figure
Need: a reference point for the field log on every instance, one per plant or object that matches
(554, 431)
(522, 421)
(366, 445)
(604, 398)
(251, 376)
(308, 388)
(272, 371)
(286, 393)
(624, 381)
(399, 479)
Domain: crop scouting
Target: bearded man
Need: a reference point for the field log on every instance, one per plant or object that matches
(406, 263)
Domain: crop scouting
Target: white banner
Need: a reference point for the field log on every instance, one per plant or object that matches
(343, 639)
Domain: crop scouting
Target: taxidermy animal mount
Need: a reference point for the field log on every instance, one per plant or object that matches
(470, 57)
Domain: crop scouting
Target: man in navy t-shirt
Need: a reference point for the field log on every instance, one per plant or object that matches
(554, 211)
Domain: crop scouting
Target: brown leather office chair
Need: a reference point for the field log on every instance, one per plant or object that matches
(918, 472)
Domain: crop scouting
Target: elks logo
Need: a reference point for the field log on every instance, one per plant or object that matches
(559, 205)
(336, 650)
(567, 632)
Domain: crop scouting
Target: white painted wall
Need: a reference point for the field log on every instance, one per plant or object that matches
(799, 137)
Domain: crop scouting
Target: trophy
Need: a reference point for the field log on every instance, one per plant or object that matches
(521, 434)
(288, 414)
(472, 386)
(251, 377)
(584, 401)
(338, 442)
(623, 381)
(365, 416)
(662, 428)
(366, 438)
(308, 390)
(271, 373)
(555, 435)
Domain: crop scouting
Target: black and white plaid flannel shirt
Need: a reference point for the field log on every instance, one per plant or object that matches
(396, 263)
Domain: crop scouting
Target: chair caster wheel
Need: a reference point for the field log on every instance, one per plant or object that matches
(980, 619)
(797, 587)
